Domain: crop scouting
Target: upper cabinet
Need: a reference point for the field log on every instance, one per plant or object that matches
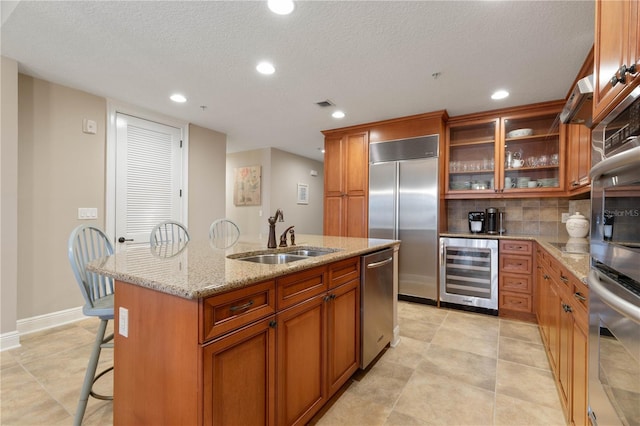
(346, 186)
(513, 152)
(616, 53)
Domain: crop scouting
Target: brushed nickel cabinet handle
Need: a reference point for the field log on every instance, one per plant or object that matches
(242, 307)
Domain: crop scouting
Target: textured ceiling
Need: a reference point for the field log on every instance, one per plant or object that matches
(374, 60)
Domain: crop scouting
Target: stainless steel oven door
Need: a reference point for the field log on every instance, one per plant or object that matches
(615, 212)
(614, 352)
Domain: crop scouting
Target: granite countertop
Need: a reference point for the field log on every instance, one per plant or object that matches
(576, 263)
(200, 270)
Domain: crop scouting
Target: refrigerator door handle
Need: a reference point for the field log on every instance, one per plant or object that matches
(396, 204)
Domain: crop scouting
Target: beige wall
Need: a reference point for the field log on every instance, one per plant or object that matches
(60, 169)
(207, 157)
(281, 172)
(9, 190)
(287, 170)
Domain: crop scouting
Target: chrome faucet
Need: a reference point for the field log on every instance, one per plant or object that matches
(279, 217)
(283, 237)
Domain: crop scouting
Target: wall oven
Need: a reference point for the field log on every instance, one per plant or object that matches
(614, 278)
(469, 273)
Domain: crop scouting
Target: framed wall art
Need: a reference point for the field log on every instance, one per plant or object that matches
(246, 186)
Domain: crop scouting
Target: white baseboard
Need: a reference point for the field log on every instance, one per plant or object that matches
(9, 340)
(38, 323)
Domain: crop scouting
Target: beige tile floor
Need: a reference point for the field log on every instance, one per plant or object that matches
(451, 368)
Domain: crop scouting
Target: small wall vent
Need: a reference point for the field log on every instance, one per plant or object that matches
(325, 103)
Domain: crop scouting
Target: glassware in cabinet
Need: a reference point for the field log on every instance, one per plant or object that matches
(532, 153)
(471, 156)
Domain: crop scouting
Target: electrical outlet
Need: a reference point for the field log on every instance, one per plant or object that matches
(123, 322)
(565, 217)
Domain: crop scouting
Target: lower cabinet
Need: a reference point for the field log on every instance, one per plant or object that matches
(318, 343)
(562, 313)
(243, 364)
(268, 354)
(515, 281)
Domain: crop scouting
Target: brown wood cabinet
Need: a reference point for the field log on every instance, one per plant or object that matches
(243, 364)
(578, 158)
(515, 278)
(479, 147)
(346, 185)
(616, 48)
(270, 353)
(562, 310)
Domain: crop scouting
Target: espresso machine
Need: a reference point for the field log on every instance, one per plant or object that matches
(491, 220)
(476, 222)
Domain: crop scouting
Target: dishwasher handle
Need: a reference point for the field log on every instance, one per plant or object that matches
(379, 264)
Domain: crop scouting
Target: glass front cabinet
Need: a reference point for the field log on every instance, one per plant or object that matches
(519, 153)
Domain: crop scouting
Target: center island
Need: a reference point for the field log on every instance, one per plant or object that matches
(204, 337)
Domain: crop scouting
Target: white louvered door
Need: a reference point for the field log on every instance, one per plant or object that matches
(148, 178)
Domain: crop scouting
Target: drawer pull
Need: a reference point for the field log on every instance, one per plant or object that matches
(242, 307)
(579, 296)
(545, 276)
(564, 279)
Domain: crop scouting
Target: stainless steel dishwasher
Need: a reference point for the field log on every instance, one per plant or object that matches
(376, 293)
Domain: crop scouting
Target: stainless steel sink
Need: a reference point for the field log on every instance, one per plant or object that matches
(310, 252)
(273, 258)
(282, 257)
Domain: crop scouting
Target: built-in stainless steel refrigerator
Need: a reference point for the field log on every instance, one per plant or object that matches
(403, 205)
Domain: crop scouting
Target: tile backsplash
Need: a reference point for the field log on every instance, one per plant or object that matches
(526, 216)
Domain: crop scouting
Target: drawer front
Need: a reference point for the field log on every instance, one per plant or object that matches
(300, 286)
(515, 302)
(519, 283)
(344, 271)
(516, 247)
(514, 263)
(229, 311)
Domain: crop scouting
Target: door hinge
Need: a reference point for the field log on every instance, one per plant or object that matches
(181, 193)
(180, 143)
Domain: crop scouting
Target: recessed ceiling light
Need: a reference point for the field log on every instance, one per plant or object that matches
(500, 94)
(338, 114)
(176, 97)
(281, 7)
(265, 68)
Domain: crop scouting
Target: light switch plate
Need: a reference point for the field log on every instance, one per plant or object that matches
(89, 126)
(86, 213)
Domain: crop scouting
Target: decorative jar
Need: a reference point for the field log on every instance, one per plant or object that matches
(577, 226)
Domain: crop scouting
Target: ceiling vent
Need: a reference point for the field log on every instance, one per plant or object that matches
(325, 103)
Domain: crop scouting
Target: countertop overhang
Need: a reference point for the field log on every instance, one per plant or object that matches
(200, 270)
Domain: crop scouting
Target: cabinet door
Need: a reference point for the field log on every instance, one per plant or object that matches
(553, 306)
(579, 158)
(356, 217)
(472, 157)
(239, 377)
(565, 337)
(580, 376)
(343, 332)
(333, 167)
(356, 166)
(615, 37)
(334, 224)
(301, 361)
